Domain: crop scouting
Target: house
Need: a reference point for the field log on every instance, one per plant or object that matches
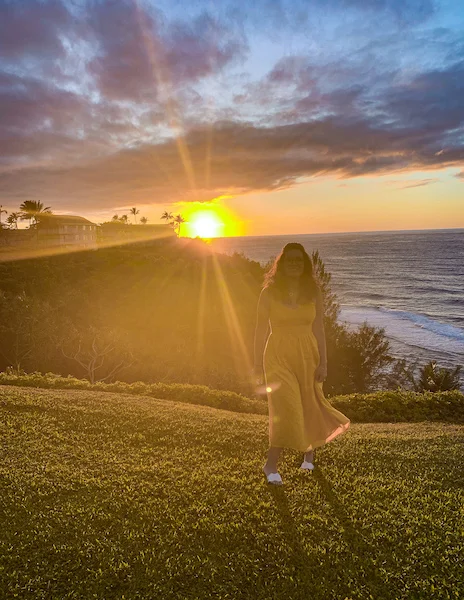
(66, 230)
(72, 231)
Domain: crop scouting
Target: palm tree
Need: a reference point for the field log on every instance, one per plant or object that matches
(167, 216)
(135, 212)
(115, 218)
(178, 220)
(13, 219)
(32, 210)
(436, 379)
(143, 220)
(124, 219)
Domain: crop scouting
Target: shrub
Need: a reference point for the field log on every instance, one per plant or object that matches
(181, 392)
(392, 406)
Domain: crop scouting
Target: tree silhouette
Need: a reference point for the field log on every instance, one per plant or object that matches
(133, 211)
(97, 350)
(143, 220)
(31, 210)
(13, 219)
(167, 216)
(178, 220)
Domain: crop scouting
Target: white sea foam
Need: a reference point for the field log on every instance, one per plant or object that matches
(409, 328)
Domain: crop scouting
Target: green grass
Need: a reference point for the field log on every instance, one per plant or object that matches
(122, 496)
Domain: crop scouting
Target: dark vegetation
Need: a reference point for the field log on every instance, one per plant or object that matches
(170, 311)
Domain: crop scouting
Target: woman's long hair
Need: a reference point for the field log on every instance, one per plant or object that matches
(276, 280)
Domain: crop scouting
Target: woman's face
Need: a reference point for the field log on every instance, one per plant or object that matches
(293, 263)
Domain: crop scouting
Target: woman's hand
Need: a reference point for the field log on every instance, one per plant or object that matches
(320, 374)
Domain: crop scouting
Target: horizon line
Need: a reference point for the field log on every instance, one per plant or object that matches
(338, 232)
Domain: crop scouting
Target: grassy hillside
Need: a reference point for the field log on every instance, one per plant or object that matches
(122, 496)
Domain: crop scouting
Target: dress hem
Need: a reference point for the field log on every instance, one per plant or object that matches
(335, 433)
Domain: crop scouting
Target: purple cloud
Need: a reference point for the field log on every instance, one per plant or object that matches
(137, 53)
(28, 28)
(242, 158)
(107, 102)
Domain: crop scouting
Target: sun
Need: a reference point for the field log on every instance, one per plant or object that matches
(210, 219)
(206, 224)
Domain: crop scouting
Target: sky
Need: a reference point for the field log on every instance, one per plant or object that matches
(293, 116)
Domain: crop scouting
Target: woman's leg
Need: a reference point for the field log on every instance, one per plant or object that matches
(272, 458)
(309, 456)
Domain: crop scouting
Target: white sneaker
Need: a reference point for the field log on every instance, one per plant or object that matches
(274, 478)
(307, 466)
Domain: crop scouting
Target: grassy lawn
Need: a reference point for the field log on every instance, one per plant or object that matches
(118, 496)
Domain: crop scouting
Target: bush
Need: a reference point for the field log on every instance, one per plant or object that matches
(378, 407)
(181, 392)
(400, 405)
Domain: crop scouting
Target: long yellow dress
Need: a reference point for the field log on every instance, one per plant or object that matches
(300, 417)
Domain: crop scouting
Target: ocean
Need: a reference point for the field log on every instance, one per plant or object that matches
(411, 283)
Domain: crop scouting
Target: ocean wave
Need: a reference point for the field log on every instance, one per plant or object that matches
(409, 328)
(444, 329)
(428, 289)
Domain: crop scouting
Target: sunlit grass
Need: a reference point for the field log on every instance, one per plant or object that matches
(116, 496)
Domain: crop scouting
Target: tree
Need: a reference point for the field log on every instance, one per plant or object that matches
(124, 219)
(400, 375)
(331, 304)
(101, 352)
(20, 317)
(133, 211)
(13, 219)
(167, 216)
(366, 354)
(435, 379)
(31, 211)
(143, 220)
(174, 221)
(115, 218)
(178, 220)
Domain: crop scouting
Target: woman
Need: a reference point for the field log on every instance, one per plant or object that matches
(292, 360)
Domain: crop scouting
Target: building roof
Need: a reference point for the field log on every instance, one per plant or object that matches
(51, 220)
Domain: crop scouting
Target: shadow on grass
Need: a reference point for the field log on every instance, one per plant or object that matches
(315, 572)
(355, 539)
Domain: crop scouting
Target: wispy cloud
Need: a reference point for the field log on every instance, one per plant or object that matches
(420, 183)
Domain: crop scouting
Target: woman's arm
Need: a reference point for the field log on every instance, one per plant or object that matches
(318, 329)
(262, 328)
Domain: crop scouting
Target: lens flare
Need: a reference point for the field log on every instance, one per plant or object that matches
(267, 389)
